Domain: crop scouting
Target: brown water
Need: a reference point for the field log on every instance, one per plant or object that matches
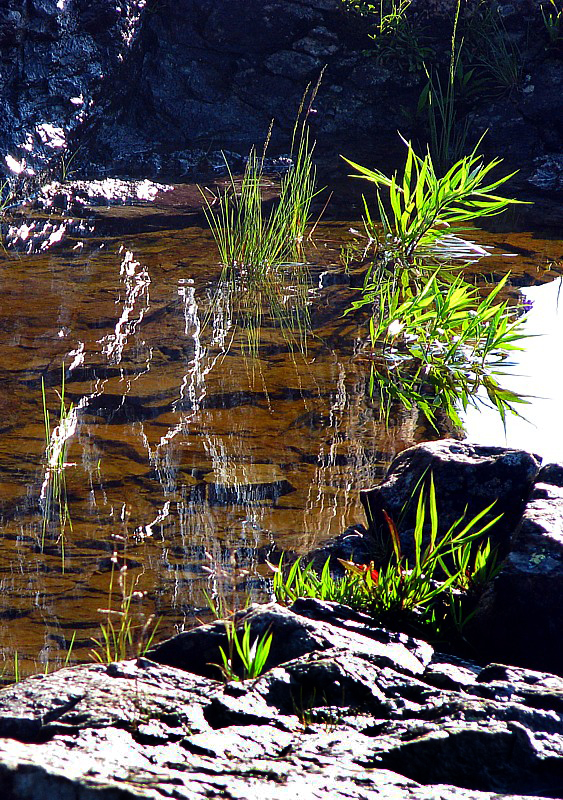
(187, 456)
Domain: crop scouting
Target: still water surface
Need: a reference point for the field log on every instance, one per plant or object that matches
(186, 456)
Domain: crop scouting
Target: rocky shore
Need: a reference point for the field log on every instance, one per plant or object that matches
(345, 708)
(136, 89)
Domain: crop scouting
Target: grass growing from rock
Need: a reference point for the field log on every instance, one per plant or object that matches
(428, 594)
(251, 656)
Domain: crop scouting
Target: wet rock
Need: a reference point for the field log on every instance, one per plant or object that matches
(548, 172)
(74, 196)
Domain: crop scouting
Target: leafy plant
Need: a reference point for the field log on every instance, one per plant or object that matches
(434, 340)
(400, 592)
(422, 204)
(252, 655)
(552, 18)
(441, 344)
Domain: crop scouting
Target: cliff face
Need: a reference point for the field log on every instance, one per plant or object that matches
(148, 87)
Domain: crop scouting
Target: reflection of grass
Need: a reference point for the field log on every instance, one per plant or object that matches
(53, 490)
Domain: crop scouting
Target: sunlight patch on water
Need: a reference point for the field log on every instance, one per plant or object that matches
(539, 375)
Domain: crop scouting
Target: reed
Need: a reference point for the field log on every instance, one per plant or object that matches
(127, 631)
(53, 496)
(261, 250)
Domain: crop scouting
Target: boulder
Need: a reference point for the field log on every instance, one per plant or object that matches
(347, 719)
(521, 613)
(467, 477)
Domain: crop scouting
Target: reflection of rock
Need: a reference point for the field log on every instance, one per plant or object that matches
(240, 494)
(37, 236)
(348, 710)
(246, 483)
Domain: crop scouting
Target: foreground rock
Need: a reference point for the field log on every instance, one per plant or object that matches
(357, 712)
(521, 613)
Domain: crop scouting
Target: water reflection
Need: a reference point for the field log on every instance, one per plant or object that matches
(196, 455)
(192, 457)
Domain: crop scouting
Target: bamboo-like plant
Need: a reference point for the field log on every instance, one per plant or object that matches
(440, 343)
(422, 204)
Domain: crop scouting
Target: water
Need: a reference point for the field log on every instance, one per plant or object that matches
(188, 459)
(538, 375)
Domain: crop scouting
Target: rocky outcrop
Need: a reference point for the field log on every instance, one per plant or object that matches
(519, 619)
(147, 89)
(356, 712)
(467, 478)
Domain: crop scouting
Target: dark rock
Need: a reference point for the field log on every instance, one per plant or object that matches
(521, 613)
(467, 478)
(345, 718)
(293, 635)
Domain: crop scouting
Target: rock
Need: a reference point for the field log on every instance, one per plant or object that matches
(133, 89)
(467, 478)
(295, 632)
(341, 719)
(521, 613)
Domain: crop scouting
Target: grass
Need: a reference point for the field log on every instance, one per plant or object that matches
(261, 250)
(243, 659)
(552, 18)
(422, 595)
(125, 632)
(395, 38)
(53, 496)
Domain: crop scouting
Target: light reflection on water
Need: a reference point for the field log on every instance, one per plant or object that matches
(538, 374)
(199, 457)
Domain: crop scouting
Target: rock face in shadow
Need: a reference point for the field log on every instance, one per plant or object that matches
(360, 712)
(144, 89)
(522, 611)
